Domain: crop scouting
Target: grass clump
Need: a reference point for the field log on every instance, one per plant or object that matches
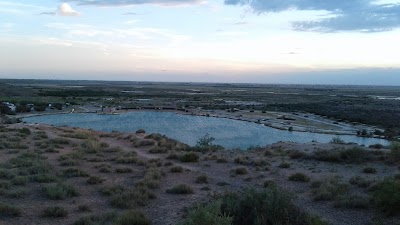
(132, 198)
(20, 180)
(60, 191)
(299, 177)
(369, 170)
(189, 157)
(74, 172)
(360, 182)
(104, 219)
(132, 217)
(176, 169)
(270, 206)
(123, 170)
(55, 212)
(94, 180)
(284, 165)
(352, 202)
(203, 179)
(329, 190)
(241, 171)
(208, 214)
(9, 211)
(386, 196)
(351, 155)
(394, 151)
(181, 189)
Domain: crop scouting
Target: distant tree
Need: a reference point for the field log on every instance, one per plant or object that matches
(205, 141)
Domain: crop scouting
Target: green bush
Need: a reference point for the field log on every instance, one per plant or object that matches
(94, 180)
(55, 212)
(386, 196)
(270, 206)
(299, 177)
(60, 191)
(9, 211)
(329, 189)
(132, 217)
(189, 157)
(180, 189)
(241, 171)
(74, 172)
(20, 180)
(209, 214)
(176, 169)
(395, 151)
(203, 179)
(370, 170)
(284, 165)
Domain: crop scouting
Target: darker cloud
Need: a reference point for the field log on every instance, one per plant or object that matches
(347, 15)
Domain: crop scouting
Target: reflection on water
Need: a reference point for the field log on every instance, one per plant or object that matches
(188, 129)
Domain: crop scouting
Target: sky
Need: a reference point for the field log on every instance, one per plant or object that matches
(246, 41)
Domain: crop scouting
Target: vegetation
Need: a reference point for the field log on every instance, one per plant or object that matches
(386, 196)
(55, 212)
(181, 189)
(299, 177)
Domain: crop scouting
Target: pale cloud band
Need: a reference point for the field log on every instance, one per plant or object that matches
(137, 2)
(346, 15)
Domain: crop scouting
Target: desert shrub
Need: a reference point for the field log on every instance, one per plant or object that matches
(110, 191)
(79, 135)
(337, 140)
(140, 131)
(284, 165)
(123, 170)
(180, 189)
(20, 180)
(16, 193)
(242, 160)
(60, 141)
(203, 179)
(376, 146)
(74, 172)
(208, 214)
(172, 156)
(351, 155)
(241, 171)
(104, 219)
(189, 157)
(369, 170)
(132, 198)
(176, 169)
(127, 160)
(60, 191)
(143, 143)
(395, 151)
(9, 211)
(91, 146)
(299, 177)
(386, 196)
(94, 180)
(159, 150)
(5, 185)
(104, 145)
(329, 189)
(44, 178)
(6, 174)
(352, 202)
(84, 208)
(55, 212)
(132, 217)
(360, 182)
(25, 130)
(270, 206)
(296, 154)
(221, 160)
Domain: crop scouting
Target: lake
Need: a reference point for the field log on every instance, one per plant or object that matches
(188, 129)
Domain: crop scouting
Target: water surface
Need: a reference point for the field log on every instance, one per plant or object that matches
(188, 129)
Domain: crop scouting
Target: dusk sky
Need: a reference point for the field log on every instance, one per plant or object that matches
(266, 41)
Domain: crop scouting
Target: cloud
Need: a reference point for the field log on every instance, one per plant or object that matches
(63, 10)
(66, 10)
(137, 2)
(347, 15)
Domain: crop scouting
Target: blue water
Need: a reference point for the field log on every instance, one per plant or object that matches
(188, 129)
